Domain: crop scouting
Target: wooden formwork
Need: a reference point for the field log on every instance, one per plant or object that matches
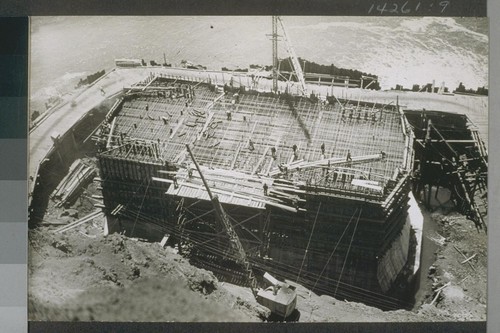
(254, 147)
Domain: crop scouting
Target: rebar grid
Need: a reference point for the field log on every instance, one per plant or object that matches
(242, 135)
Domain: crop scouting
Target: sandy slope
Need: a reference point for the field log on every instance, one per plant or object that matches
(83, 275)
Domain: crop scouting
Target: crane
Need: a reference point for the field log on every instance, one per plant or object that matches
(291, 53)
(280, 298)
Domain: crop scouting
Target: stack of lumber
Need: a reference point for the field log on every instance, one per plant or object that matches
(78, 176)
(237, 188)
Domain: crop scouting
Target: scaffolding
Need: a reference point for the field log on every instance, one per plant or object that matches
(449, 153)
(258, 133)
(277, 162)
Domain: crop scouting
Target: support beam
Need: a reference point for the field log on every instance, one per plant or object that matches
(108, 144)
(446, 141)
(442, 138)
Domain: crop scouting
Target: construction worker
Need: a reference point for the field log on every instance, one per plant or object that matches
(250, 144)
(283, 168)
(265, 188)
(228, 114)
(273, 152)
(176, 184)
(323, 148)
(190, 171)
(349, 158)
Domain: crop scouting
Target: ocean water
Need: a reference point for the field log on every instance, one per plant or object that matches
(399, 50)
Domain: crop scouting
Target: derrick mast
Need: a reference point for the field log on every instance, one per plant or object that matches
(274, 38)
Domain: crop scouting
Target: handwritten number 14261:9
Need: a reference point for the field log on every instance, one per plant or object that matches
(394, 8)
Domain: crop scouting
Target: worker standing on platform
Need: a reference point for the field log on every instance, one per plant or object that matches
(323, 148)
(349, 158)
(273, 152)
(265, 188)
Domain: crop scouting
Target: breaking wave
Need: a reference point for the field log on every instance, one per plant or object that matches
(399, 50)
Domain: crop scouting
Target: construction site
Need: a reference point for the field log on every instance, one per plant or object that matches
(286, 169)
(244, 182)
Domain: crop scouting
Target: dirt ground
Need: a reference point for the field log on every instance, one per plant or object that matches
(460, 269)
(82, 275)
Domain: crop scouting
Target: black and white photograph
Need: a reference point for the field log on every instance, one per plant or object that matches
(258, 169)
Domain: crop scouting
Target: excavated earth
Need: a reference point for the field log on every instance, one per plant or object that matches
(82, 275)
